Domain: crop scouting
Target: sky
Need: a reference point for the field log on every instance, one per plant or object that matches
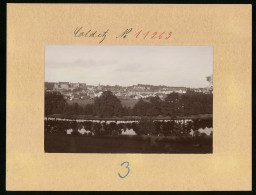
(177, 66)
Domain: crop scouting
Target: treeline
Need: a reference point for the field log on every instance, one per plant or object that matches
(143, 127)
(108, 105)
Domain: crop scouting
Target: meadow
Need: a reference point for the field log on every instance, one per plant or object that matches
(62, 143)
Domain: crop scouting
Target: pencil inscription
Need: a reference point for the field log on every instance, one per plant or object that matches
(80, 32)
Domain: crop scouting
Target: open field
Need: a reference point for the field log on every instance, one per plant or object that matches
(125, 102)
(61, 143)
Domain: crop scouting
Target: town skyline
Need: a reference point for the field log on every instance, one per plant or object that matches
(129, 65)
(102, 84)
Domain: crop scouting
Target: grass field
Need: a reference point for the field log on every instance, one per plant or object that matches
(62, 143)
(125, 102)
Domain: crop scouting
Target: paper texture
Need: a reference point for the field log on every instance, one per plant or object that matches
(31, 27)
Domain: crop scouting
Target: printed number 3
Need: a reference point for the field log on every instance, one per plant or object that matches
(128, 169)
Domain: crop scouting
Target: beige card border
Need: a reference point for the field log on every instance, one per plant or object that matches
(228, 28)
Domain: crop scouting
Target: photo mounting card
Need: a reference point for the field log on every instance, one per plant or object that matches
(102, 97)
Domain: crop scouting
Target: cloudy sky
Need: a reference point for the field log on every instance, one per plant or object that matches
(184, 66)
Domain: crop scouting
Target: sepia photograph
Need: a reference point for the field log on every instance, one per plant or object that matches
(128, 99)
(99, 97)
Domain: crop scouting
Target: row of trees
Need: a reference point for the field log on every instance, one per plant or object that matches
(175, 104)
(143, 127)
(108, 105)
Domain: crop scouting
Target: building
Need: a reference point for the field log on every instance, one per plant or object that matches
(74, 85)
(82, 85)
(61, 86)
(49, 85)
(99, 87)
(67, 86)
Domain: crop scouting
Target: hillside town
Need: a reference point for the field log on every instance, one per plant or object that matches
(75, 91)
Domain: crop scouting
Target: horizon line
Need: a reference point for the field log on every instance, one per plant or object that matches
(120, 85)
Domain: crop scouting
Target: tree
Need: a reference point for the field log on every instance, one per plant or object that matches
(142, 108)
(97, 128)
(146, 126)
(108, 105)
(68, 110)
(89, 109)
(197, 103)
(174, 103)
(127, 111)
(54, 103)
(156, 103)
(196, 108)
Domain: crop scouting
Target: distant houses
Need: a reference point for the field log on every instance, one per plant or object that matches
(61, 86)
(68, 86)
(78, 90)
(49, 85)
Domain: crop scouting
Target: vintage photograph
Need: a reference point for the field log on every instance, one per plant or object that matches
(128, 99)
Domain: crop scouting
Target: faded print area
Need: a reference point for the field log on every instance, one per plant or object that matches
(128, 99)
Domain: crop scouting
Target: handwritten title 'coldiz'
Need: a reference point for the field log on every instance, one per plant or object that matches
(138, 34)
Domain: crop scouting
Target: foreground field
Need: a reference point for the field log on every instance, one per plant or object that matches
(61, 143)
